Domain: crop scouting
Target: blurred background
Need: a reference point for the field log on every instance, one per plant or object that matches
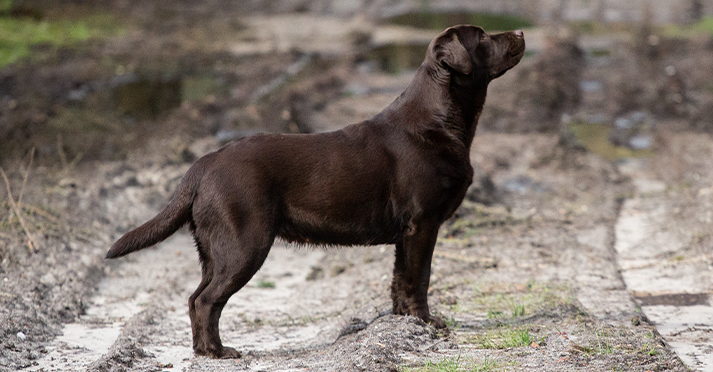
(92, 79)
(591, 212)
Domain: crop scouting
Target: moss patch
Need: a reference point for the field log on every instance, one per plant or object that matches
(18, 36)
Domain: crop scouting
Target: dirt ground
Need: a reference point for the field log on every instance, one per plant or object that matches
(537, 271)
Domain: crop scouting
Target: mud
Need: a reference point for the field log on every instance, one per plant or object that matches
(599, 257)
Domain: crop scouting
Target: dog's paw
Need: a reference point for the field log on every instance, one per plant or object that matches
(198, 351)
(229, 353)
(436, 322)
(224, 353)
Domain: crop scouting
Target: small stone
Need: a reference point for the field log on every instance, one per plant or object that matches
(338, 269)
(48, 279)
(21, 336)
(316, 273)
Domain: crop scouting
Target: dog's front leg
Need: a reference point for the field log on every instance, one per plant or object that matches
(412, 273)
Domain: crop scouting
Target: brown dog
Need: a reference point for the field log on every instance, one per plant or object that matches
(392, 179)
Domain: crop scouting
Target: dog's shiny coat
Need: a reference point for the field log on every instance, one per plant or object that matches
(392, 179)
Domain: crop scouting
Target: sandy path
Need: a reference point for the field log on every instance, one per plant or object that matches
(674, 291)
(161, 279)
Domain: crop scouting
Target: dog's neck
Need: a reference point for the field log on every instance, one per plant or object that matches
(432, 106)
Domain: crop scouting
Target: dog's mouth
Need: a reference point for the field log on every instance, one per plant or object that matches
(517, 50)
(511, 57)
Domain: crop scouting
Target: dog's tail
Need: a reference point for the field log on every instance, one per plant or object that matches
(176, 214)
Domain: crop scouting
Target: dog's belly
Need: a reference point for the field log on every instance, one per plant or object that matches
(323, 237)
(337, 231)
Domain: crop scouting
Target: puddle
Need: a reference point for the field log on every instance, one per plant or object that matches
(440, 20)
(591, 86)
(148, 96)
(197, 88)
(595, 138)
(522, 185)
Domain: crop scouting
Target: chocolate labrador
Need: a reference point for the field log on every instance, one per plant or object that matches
(392, 179)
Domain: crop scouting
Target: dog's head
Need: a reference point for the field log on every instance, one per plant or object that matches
(467, 53)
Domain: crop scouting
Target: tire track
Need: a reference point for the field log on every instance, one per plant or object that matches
(673, 294)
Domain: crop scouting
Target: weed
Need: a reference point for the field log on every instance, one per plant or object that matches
(503, 339)
(487, 365)
(603, 346)
(678, 258)
(457, 308)
(446, 365)
(450, 321)
(649, 350)
(519, 299)
(458, 364)
(255, 322)
(492, 314)
(582, 349)
(264, 283)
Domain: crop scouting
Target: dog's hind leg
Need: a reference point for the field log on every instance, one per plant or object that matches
(412, 272)
(207, 275)
(236, 256)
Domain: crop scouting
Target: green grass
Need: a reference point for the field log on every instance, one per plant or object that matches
(517, 301)
(494, 314)
(603, 347)
(18, 36)
(458, 364)
(503, 339)
(263, 283)
(450, 321)
(649, 350)
(704, 26)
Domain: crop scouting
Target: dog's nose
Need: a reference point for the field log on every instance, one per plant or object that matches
(519, 33)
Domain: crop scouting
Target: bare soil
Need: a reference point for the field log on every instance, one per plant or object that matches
(532, 251)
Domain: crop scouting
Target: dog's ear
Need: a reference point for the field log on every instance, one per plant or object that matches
(447, 49)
